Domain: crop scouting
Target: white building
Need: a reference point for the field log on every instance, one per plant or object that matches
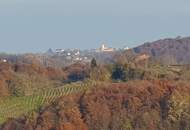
(3, 60)
(77, 53)
(126, 48)
(104, 48)
(59, 50)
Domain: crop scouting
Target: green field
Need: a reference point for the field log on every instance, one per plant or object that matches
(14, 107)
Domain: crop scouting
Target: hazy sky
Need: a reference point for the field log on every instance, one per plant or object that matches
(36, 25)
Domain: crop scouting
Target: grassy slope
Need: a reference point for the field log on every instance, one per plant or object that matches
(13, 107)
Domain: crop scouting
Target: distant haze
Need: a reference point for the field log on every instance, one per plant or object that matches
(36, 25)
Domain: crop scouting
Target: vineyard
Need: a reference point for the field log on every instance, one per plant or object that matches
(13, 107)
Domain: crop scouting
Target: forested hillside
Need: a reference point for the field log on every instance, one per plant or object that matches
(127, 95)
(168, 51)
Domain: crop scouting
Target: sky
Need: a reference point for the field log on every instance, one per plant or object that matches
(37, 25)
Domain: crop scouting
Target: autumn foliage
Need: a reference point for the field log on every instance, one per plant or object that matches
(138, 105)
(129, 97)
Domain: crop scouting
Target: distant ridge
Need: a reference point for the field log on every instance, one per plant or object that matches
(167, 51)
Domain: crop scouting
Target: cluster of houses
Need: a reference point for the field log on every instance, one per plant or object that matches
(72, 54)
(78, 55)
(81, 55)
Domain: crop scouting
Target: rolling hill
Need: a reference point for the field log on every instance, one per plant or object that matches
(167, 51)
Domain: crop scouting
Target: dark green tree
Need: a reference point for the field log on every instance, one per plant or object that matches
(93, 63)
(118, 73)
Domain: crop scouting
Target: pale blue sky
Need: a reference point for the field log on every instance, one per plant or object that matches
(36, 25)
